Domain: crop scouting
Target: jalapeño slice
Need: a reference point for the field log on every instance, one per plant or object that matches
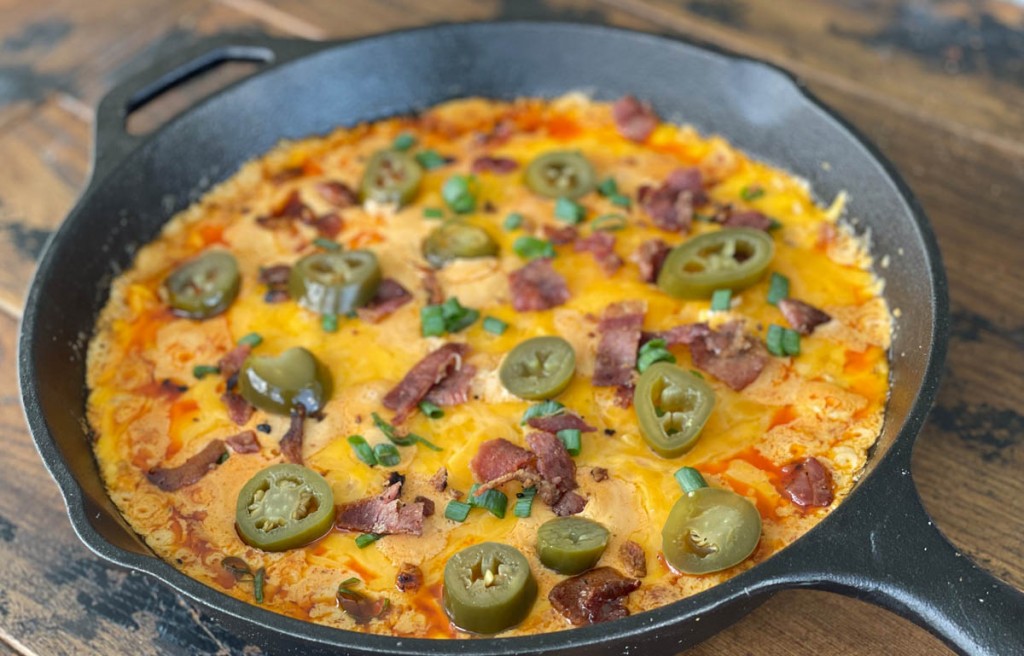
(283, 507)
(731, 258)
(279, 384)
(560, 174)
(539, 368)
(570, 545)
(203, 287)
(453, 240)
(488, 588)
(333, 283)
(672, 406)
(391, 177)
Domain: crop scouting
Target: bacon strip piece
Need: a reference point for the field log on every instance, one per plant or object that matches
(244, 442)
(239, 410)
(561, 235)
(671, 204)
(498, 458)
(488, 164)
(190, 471)
(557, 472)
(649, 258)
(634, 558)
(555, 423)
(602, 245)
(337, 193)
(537, 286)
(291, 443)
(231, 363)
(594, 596)
(634, 120)
(276, 279)
(390, 296)
(454, 389)
(802, 316)
(431, 370)
(808, 483)
(384, 514)
(729, 354)
(620, 330)
(743, 219)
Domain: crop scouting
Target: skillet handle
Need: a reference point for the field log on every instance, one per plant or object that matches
(113, 142)
(895, 557)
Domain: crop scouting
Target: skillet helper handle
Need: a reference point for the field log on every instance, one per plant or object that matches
(113, 142)
(907, 566)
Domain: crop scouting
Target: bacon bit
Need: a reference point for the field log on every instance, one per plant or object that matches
(560, 235)
(620, 330)
(729, 355)
(594, 596)
(439, 481)
(499, 165)
(731, 218)
(276, 279)
(232, 361)
(384, 514)
(808, 483)
(671, 205)
(498, 458)
(409, 578)
(599, 474)
(803, 317)
(570, 504)
(537, 286)
(189, 472)
(294, 208)
(337, 193)
(432, 286)
(291, 442)
(602, 246)
(634, 120)
(329, 225)
(499, 134)
(634, 559)
(239, 410)
(563, 421)
(454, 389)
(428, 504)
(244, 442)
(390, 296)
(425, 374)
(650, 257)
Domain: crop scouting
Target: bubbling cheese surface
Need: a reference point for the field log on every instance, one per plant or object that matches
(827, 402)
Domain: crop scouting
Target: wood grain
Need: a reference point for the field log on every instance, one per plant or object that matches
(955, 134)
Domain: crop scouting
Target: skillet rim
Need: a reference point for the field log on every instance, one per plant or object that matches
(781, 570)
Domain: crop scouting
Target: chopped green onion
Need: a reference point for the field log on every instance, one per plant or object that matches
(366, 539)
(457, 511)
(431, 321)
(329, 322)
(252, 339)
(223, 458)
(513, 221)
(362, 449)
(495, 326)
(569, 210)
(653, 351)
(202, 370)
(697, 374)
(494, 501)
(542, 409)
(401, 440)
(459, 192)
(530, 248)
(790, 341)
(690, 479)
(608, 187)
(257, 584)
(430, 159)
(327, 244)
(570, 437)
(621, 200)
(524, 502)
(721, 300)
(609, 222)
(387, 455)
(404, 141)
(778, 288)
(773, 224)
(433, 213)
(752, 192)
(457, 317)
(431, 410)
(773, 340)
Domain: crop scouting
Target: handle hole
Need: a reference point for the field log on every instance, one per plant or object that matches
(154, 112)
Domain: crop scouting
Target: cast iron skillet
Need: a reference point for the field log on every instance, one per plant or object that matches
(879, 545)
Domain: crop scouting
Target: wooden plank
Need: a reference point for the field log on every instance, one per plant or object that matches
(956, 64)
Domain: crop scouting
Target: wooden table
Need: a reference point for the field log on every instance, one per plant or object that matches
(939, 86)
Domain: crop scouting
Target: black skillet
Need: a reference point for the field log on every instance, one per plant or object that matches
(879, 545)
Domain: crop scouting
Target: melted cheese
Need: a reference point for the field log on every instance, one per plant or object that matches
(828, 402)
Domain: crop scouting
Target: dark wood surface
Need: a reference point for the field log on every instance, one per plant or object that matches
(939, 86)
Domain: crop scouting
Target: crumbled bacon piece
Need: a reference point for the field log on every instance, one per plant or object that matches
(189, 472)
(454, 389)
(384, 514)
(731, 218)
(537, 286)
(337, 193)
(330, 224)
(602, 245)
(594, 596)
(560, 235)
(244, 442)
(650, 257)
(563, 421)
(730, 355)
(620, 330)
(808, 483)
(239, 410)
(291, 442)
(231, 363)
(498, 458)
(599, 474)
(409, 578)
(634, 120)
(634, 559)
(671, 204)
(803, 317)
(425, 374)
(276, 279)
(390, 296)
(439, 481)
(488, 164)
(557, 471)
